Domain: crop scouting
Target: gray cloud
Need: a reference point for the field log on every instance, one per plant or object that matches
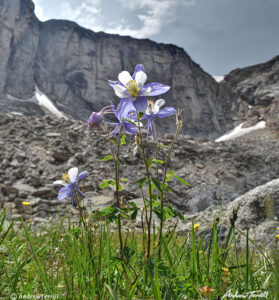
(220, 35)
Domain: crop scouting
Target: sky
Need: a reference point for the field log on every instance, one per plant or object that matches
(219, 35)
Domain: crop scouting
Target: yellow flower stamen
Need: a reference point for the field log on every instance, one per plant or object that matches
(150, 104)
(26, 203)
(66, 178)
(133, 88)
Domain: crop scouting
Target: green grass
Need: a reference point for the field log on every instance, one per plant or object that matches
(57, 261)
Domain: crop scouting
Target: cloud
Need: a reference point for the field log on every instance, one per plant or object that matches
(39, 11)
(149, 15)
(87, 14)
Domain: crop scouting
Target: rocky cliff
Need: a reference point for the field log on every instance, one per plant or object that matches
(258, 85)
(71, 65)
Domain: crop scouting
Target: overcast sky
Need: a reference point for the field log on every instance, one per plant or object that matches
(220, 35)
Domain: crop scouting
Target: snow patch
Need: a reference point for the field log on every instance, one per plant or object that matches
(47, 103)
(239, 131)
(219, 78)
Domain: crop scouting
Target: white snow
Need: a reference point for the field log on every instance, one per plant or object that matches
(239, 131)
(218, 78)
(47, 103)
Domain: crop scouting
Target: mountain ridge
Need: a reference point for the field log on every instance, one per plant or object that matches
(71, 65)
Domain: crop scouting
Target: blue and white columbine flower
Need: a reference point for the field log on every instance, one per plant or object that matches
(133, 88)
(152, 111)
(124, 115)
(70, 182)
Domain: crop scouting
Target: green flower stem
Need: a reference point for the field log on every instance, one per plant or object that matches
(150, 190)
(117, 183)
(87, 229)
(156, 150)
(162, 192)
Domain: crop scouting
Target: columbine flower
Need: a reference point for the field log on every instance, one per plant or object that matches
(153, 110)
(96, 118)
(69, 182)
(133, 88)
(124, 116)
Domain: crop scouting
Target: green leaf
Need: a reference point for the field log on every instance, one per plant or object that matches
(180, 216)
(141, 182)
(106, 158)
(124, 179)
(112, 141)
(164, 146)
(120, 161)
(149, 161)
(156, 183)
(134, 214)
(171, 173)
(157, 161)
(109, 182)
(123, 139)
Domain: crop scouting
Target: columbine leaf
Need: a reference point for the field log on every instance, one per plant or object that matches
(164, 146)
(124, 179)
(157, 183)
(149, 161)
(171, 174)
(157, 161)
(123, 139)
(120, 161)
(141, 182)
(106, 158)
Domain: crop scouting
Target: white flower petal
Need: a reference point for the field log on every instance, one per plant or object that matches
(120, 90)
(157, 105)
(124, 77)
(73, 172)
(140, 77)
(61, 182)
(147, 92)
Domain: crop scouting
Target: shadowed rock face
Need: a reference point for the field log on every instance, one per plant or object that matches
(71, 65)
(258, 84)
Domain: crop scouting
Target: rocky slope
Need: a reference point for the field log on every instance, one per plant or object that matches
(35, 151)
(71, 65)
(258, 86)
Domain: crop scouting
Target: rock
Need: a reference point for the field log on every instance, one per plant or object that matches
(33, 54)
(59, 156)
(45, 193)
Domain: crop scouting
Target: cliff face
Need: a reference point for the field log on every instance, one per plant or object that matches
(258, 85)
(71, 65)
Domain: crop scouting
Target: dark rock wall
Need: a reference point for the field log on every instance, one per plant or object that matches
(71, 65)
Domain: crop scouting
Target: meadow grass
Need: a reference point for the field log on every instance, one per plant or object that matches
(57, 261)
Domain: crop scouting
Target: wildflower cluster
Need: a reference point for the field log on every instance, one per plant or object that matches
(134, 100)
(134, 114)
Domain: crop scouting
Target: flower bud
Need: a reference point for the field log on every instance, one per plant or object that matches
(95, 119)
(179, 119)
